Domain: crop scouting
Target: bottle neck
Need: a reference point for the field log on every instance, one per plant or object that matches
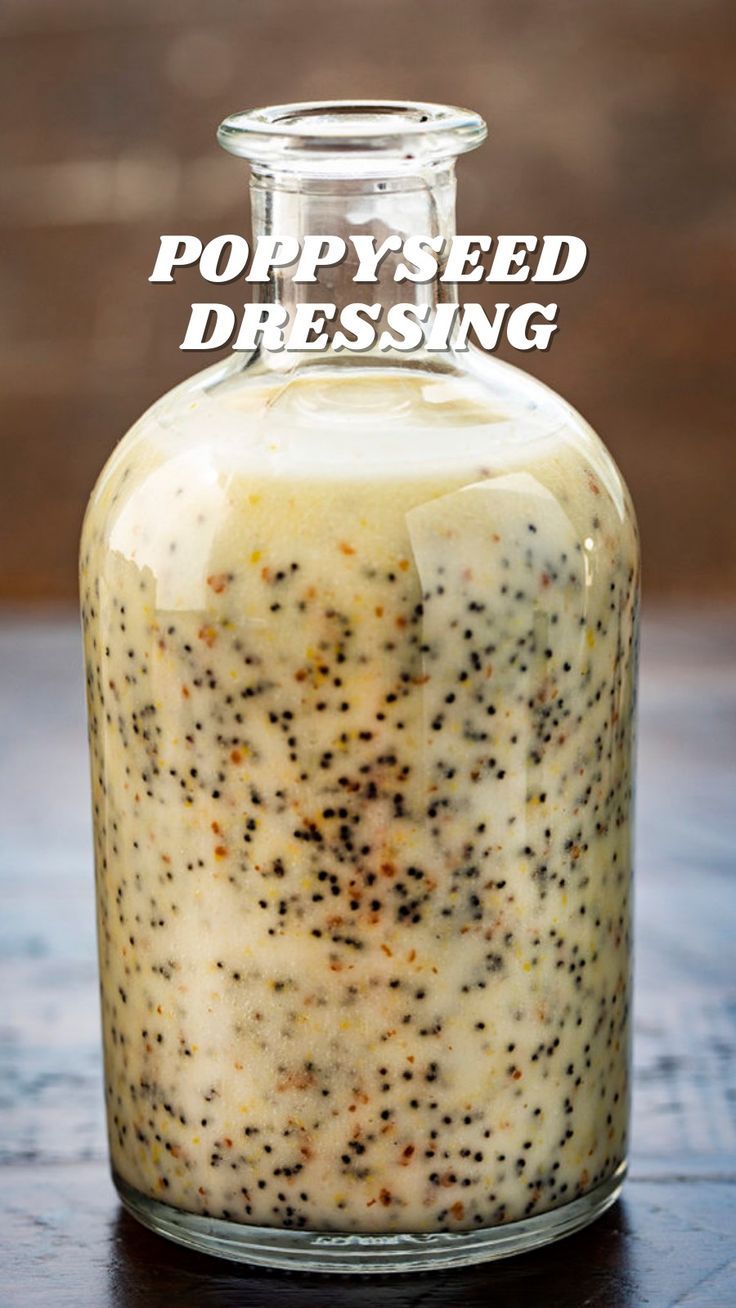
(420, 205)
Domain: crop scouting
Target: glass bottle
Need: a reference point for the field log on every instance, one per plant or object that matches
(361, 649)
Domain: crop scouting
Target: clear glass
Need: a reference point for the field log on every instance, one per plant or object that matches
(361, 643)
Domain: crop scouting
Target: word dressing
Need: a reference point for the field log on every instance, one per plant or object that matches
(294, 320)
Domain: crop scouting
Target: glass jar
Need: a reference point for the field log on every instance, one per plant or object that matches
(361, 652)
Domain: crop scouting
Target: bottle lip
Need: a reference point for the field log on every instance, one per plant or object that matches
(349, 137)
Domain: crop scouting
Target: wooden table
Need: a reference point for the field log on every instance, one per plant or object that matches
(670, 1241)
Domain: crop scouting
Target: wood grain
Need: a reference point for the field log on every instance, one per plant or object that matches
(69, 1244)
(670, 1241)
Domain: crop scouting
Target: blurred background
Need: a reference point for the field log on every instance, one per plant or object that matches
(610, 120)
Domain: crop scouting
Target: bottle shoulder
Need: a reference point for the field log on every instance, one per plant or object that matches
(461, 419)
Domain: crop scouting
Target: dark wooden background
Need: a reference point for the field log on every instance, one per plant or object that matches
(671, 1240)
(614, 120)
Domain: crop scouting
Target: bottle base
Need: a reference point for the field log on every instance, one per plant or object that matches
(355, 1254)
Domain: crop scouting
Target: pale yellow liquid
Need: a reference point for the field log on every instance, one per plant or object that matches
(360, 662)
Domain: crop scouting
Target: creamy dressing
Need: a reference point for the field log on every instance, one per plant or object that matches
(360, 660)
